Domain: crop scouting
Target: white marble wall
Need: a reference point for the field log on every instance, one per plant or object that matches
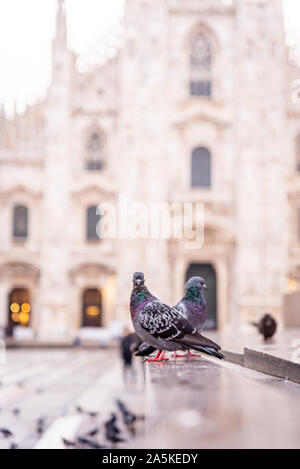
(141, 104)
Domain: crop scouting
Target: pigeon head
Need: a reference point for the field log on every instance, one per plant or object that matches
(138, 280)
(197, 282)
(194, 288)
(268, 320)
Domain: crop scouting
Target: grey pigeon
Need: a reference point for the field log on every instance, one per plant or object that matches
(192, 307)
(162, 326)
(266, 326)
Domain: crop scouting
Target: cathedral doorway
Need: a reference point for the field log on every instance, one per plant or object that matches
(19, 309)
(91, 308)
(208, 272)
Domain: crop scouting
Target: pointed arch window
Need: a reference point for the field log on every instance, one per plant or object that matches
(94, 152)
(297, 153)
(20, 222)
(92, 220)
(201, 167)
(200, 66)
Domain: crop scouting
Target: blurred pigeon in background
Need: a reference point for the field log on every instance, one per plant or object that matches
(162, 326)
(266, 326)
(6, 432)
(128, 417)
(112, 431)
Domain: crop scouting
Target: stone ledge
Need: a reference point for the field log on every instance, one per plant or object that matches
(272, 365)
(234, 357)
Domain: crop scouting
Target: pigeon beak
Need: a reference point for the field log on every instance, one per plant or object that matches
(138, 282)
(205, 286)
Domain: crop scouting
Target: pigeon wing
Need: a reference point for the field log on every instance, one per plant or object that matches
(163, 322)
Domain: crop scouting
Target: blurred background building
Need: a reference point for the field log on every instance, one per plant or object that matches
(200, 104)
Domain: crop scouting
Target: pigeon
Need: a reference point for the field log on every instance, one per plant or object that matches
(93, 432)
(40, 425)
(266, 326)
(192, 307)
(92, 444)
(128, 417)
(13, 446)
(162, 326)
(6, 433)
(16, 411)
(112, 431)
(68, 443)
(93, 414)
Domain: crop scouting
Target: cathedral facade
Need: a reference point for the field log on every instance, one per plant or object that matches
(200, 105)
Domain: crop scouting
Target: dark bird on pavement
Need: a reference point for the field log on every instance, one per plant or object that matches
(93, 432)
(6, 433)
(93, 414)
(13, 446)
(79, 409)
(162, 326)
(92, 444)
(16, 411)
(112, 431)
(40, 425)
(266, 326)
(128, 417)
(68, 443)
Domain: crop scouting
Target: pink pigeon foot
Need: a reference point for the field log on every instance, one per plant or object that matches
(190, 354)
(159, 357)
(177, 355)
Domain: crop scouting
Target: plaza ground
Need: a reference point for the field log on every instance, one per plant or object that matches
(200, 403)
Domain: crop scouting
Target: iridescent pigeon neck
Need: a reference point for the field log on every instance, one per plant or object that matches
(194, 295)
(140, 297)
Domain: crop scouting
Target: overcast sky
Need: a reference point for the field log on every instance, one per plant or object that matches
(27, 27)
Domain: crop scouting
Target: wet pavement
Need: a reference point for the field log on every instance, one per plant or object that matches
(46, 384)
(207, 404)
(197, 403)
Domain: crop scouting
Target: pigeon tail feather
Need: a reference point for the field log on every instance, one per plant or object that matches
(201, 344)
(143, 352)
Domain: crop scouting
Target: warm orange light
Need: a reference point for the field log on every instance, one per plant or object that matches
(92, 311)
(24, 318)
(15, 307)
(25, 308)
(292, 285)
(15, 317)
